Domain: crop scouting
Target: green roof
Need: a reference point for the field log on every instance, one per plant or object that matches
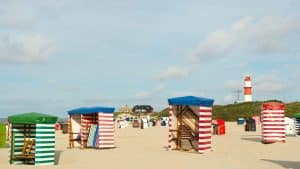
(32, 118)
(297, 115)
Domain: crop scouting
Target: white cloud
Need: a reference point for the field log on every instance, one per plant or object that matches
(173, 73)
(234, 84)
(265, 36)
(25, 49)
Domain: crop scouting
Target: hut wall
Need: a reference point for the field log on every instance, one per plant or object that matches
(2, 135)
(76, 126)
(297, 128)
(45, 144)
(205, 119)
(172, 127)
(106, 132)
(17, 139)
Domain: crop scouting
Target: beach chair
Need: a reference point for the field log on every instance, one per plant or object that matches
(28, 153)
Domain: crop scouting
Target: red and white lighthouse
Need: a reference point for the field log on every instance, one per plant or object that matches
(247, 89)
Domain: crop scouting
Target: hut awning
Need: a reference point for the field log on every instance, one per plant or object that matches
(91, 110)
(32, 118)
(191, 101)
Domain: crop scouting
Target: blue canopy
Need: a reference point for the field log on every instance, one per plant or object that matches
(191, 101)
(91, 110)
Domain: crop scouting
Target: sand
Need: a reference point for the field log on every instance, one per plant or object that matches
(146, 149)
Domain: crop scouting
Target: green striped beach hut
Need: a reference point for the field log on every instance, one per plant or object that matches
(38, 128)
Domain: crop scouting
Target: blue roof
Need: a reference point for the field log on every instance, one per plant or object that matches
(91, 110)
(191, 101)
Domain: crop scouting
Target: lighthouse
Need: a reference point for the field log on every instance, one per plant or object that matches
(247, 89)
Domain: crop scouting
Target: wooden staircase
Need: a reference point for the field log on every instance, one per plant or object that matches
(187, 138)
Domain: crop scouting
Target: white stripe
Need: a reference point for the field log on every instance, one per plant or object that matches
(274, 138)
(204, 129)
(111, 129)
(45, 144)
(50, 163)
(274, 134)
(40, 135)
(204, 140)
(44, 130)
(205, 108)
(206, 113)
(273, 111)
(105, 118)
(105, 134)
(273, 123)
(204, 135)
(46, 149)
(44, 159)
(274, 131)
(45, 125)
(276, 127)
(104, 122)
(205, 118)
(44, 154)
(273, 115)
(204, 124)
(204, 146)
(106, 127)
(105, 114)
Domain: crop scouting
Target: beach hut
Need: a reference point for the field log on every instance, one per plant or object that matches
(2, 135)
(289, 126)
(32, 139)
(297, 123)
(250, 125)
(91, 127)
(190, 120)
(257, 119)
(273, 128)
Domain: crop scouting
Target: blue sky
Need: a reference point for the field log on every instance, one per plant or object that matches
(57, 55)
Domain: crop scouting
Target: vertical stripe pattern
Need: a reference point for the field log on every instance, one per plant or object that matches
(273, 126)
(297, 121)
(170, 127)
(45, 144)
(205, 118)
(106, 132)
(86, 121)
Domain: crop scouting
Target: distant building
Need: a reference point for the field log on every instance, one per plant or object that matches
(125, 109)
(142, 109)
(247, 89)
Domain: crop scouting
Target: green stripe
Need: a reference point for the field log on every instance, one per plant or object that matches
(45, 132)
(48, 161)
(41, 147)
(42, 152)
(45, 137)
(41, 157)
(44, 127)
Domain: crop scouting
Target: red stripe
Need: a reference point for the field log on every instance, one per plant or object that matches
(204, 127)
(105, 139)
(273, 125)
(106, 124)
(274, 137)
(274, 132)
(204, 148)
(273, 120)
(272, 112)
(205, 116)
(105, 120)
(204, 121)
(204, 132)
(204, 110)
(273, 128)
(106, 143)
(207, 137)
(203, 143)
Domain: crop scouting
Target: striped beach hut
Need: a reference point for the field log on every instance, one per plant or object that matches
(32, 139)
(297, 123)
(92, 127)
(2, 135)
(273, 126)
(190, 122)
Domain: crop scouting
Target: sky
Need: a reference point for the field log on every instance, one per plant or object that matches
(56, 55)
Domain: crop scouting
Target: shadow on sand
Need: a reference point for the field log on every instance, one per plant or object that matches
(253, 139)
(57, 156)
(285, 164)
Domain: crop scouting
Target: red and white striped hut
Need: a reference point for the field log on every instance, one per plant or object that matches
(273, 126)
(91, 127)
(190, 121)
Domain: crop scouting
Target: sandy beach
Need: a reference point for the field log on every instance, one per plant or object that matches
(146, 149)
